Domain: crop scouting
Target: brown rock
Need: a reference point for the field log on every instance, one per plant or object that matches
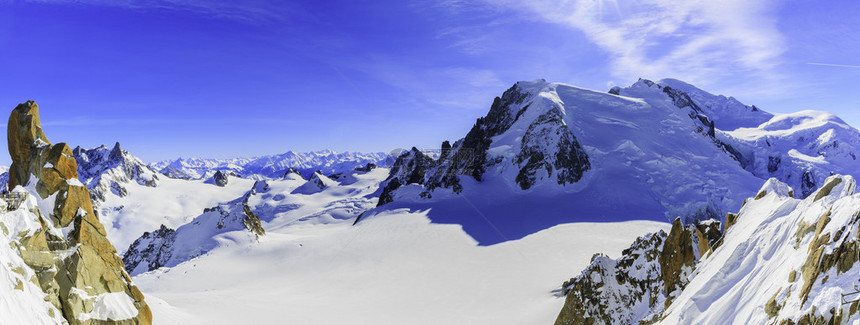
(24, 129)
(827, 187)
(731, 220)
(677, 253)
(69, 200)
(94, 266)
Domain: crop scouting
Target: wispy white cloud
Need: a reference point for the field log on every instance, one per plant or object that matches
(835, 65)
(697, 40)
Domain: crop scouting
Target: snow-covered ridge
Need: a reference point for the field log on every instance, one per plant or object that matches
(785, 260)
(653, 150)
(781, 260)
(267, 205)
(108, 171)
(272, 166)
(550, 153)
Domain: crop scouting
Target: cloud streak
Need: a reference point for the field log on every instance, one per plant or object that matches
(697, 40)
(835, 65)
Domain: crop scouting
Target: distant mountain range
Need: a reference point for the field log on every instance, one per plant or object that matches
(272, 166)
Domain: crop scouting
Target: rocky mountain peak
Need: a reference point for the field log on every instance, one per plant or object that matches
(82, 260)
(220, 178)
(107, 171)
(116, 152)
(24, 134)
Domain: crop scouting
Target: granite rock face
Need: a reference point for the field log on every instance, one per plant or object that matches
(77, 268)
(637, 287)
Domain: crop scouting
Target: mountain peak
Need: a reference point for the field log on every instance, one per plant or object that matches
(116, 152)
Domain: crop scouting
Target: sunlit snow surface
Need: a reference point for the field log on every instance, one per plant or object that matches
(314, 267)
(753, 264)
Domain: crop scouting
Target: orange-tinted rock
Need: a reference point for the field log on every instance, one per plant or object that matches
(94, 267)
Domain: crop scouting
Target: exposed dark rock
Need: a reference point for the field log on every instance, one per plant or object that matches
(153, 248)
(548, 134)
(446, 147)
(773, 164)
(409, 168)
(294, 171)
(366, 168)
(220, 178)
(807, 184)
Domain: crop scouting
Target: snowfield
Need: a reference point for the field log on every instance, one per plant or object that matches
(314, 267)
(394, 269)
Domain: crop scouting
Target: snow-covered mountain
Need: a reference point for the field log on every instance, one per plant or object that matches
(168, 247)
(649, 151)
(273, 166)
(552, 174)
(781, 260)
(278, 203)
(108, 171)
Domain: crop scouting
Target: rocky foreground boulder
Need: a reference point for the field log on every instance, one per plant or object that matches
(73, 262)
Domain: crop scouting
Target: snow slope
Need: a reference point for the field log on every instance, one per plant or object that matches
(777, 236)
(395, 269)
(727, 112)
(650, 151)
(800, 149)
(173, 203)
(642, 154)
(21, 299)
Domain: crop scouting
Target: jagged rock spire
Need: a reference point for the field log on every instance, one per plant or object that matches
(94, 267)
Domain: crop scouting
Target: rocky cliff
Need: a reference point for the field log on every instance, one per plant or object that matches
(638, 286)
(74, 264)
(784, 260)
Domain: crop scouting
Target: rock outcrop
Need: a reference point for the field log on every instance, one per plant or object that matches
(315, 184)
(292, 173)
(638, 286)
(77, 268)
(409, 168)
(168, 247)
(220, 178)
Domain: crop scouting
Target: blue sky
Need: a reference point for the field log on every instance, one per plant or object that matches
(181, 78)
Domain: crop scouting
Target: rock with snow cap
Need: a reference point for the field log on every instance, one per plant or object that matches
(49, 173)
